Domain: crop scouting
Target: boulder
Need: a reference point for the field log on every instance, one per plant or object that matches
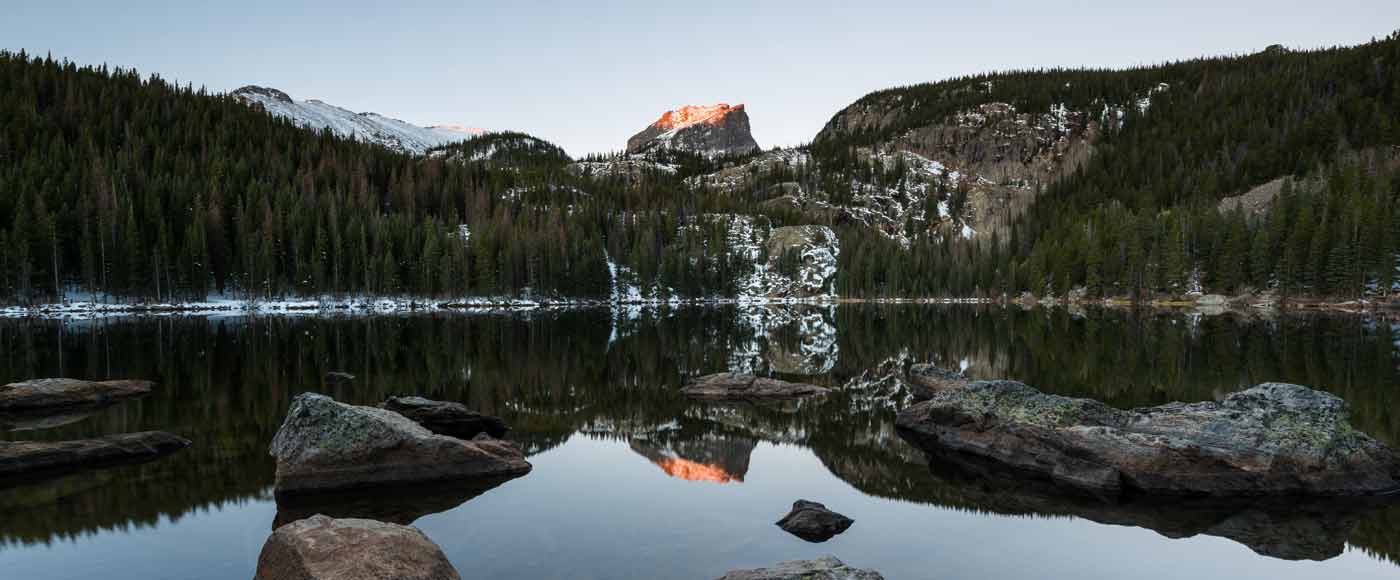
(51, 393)
(324, 445)
(926, 380)
(446, 418)
(825, 568)
(746, 387)
(811, 521)
(1273, 439)
(324, 548)
(30, 458)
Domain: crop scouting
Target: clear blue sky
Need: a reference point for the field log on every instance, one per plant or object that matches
(589, 74)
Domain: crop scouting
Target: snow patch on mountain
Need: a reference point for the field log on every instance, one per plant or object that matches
(366, 127)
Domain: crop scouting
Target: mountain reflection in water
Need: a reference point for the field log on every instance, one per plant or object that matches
(225, 383)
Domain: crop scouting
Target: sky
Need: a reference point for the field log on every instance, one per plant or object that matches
(587, 75)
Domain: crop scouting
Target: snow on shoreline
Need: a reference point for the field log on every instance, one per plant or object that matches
(365, 306)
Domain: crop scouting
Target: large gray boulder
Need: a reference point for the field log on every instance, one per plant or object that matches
(1273, 439)
(824, 568)
(55, 393)
(446, 417)
(324, 548)
(926, 380)
(324, 445)
(811, 521)
(746, 387)
(30, 458)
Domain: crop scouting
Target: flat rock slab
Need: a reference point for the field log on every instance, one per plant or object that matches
(1272, 439)
(51, 393)
(926, 380)
(825, 568)
(30, 458)
(745, 387)
(324, 446)
(324, 548)
(446, 418)
(811, 521)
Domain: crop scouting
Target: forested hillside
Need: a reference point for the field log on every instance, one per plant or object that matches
(1143, 213)
(1275, 171)
(126, 187)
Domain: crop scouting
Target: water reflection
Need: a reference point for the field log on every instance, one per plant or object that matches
(401, 505)
(226, 383)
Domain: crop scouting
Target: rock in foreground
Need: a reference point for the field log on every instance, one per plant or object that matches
(323, 548)
(811, 521)
(926, 380)
(446, 418)
(50, 393)
(1273, 439)
(39, 457)
(825, 568)
(324, 445)
(745, 387)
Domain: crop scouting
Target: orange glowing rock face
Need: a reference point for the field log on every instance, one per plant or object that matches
(694, 115)
(692, 471)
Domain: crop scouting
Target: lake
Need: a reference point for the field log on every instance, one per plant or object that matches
(631, 480)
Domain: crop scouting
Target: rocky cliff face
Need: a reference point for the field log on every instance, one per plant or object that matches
(712, 131)
(1003, 154)
(367, 127)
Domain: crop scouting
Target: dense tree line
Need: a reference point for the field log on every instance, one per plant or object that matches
(1141, 216)
(120, 186)
(134, 188)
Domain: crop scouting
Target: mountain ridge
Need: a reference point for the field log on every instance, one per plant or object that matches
(369, 127)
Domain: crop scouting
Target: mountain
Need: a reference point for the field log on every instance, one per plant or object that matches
(712, 131)
(1275, 173)
(367, 127)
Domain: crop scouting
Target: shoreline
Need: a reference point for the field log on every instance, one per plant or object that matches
(1209, 304)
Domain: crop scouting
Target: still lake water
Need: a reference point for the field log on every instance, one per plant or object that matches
(633, 481)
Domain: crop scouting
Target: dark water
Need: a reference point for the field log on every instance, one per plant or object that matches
(631, 481)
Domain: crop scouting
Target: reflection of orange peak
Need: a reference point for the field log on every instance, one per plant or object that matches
(694, 115)
(692, 471)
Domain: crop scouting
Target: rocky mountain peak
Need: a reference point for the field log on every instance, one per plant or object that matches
(252, 92)
(709, 130)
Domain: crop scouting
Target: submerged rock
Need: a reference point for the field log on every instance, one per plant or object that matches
(49, 393)
(746, 387)
(1274, 439)
(31, 458)
(40, 419)
(927, 380)
(324, 445)
(446, 418)
(824, 568)
(338, 378)
(811, 521)
(324, 548)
